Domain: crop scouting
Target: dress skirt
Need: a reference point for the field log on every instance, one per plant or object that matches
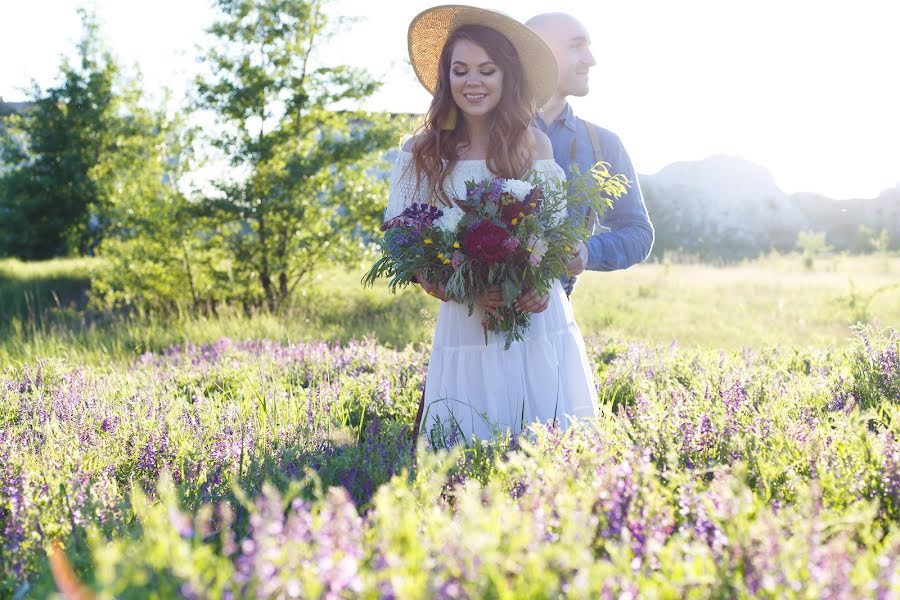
(481, 390)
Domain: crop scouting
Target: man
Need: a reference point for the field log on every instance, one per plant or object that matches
(577, 142)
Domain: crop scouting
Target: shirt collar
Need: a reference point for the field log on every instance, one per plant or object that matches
(567, 116)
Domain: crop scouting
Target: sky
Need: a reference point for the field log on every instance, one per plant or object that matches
(808, 89)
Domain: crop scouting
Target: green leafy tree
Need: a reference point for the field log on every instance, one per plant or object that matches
(881, 243)
(50, 197)
(158, 253)
(303, 192)
(812, 245)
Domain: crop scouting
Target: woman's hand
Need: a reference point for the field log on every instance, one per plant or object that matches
(529, 301)
(491, 301)
(439, 291)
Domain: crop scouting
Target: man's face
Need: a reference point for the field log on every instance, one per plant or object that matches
(571, 44)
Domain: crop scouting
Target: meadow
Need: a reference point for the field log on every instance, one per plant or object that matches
(748, 445)
(773, 301)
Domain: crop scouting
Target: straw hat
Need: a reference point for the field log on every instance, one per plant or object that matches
(430, 29)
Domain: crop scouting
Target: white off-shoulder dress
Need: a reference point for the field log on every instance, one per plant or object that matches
(479, 389)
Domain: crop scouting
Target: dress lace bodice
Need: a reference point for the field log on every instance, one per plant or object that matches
(404, 191)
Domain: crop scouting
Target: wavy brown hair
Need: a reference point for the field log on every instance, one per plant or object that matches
(510, 152)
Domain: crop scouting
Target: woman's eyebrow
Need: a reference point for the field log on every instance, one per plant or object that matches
(459, 62)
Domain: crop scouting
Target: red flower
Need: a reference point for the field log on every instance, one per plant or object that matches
(485, 243)
(521, 208)
(513, 210)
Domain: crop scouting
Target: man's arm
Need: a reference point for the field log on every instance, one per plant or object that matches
(630, 236)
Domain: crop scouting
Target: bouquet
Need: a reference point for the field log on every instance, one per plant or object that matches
(507, 233)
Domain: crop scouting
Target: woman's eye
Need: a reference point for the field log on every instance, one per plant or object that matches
(458, 73)
(488, 73)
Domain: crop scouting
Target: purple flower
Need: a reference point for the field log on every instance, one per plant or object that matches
(495, 190)
(181, 522)
(474, 191)
(418, 216)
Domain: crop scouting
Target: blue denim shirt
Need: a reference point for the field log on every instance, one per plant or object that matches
(628, 235)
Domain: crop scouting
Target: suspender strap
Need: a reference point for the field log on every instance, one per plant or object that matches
(598, 157)
(595, 141)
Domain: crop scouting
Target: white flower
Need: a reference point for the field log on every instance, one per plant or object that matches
(517, 188)
(537, 248)
(449, 221)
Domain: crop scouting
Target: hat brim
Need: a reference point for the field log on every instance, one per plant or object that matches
(430, 29)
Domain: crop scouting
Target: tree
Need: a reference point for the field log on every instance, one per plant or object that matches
(157, 252)
(812, 245)
(50, 197)
(305, 195)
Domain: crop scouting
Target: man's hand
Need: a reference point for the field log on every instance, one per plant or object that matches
(578, 263)
(529, 301)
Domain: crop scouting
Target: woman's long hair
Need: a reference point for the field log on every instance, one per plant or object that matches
(510, 153)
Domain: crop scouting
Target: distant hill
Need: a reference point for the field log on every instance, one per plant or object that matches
(727, 207)
(842, 219)
(8, 108)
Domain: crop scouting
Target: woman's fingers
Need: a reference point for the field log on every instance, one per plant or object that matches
(494, 312)
(493, 297)
(525, 300)
(529, 301)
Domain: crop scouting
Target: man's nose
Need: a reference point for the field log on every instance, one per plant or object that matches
(588, 58)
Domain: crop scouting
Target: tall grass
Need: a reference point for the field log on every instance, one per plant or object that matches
(29, 290)
(762, 303)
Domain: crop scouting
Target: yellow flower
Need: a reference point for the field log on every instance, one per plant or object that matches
(440, 256)
(521, 214)
(515, 221)
(446, 261)
(426, 241)
(533, 205)
(456, 244)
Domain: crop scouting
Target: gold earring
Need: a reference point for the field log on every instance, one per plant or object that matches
(449, 122)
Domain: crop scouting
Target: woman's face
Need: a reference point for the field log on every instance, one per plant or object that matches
(476, 82)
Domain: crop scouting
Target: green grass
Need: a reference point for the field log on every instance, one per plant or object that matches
(736, 474)
(774, 301)
(28, 290)
(766, 302)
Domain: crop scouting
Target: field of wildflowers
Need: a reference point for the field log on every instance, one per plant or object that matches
(260, 469)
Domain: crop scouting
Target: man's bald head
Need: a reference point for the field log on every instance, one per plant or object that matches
(570, 42)
(547, 21)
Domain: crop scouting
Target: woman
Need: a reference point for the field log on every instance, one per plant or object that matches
(488, 74)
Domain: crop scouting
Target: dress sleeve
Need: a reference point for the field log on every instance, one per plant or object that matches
(403, 190)
(549, 169)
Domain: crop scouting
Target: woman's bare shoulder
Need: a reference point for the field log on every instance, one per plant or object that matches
(412, 142)
(542, 147)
